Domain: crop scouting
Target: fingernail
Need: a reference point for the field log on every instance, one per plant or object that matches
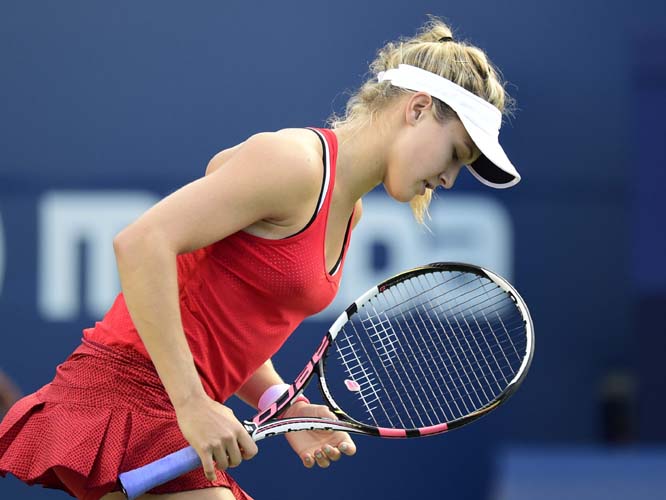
(308, 460)
(318, 454)
(344, 446)
(328, 449)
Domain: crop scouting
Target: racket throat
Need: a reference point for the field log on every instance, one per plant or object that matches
(297, 424)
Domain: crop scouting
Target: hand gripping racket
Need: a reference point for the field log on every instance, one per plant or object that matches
(426, 351)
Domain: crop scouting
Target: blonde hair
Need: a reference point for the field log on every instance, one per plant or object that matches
(432, 49)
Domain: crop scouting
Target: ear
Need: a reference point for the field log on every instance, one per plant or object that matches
(417, 105)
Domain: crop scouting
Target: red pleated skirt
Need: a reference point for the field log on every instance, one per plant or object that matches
(105, 412)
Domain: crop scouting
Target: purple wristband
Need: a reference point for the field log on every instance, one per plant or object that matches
(271, 394)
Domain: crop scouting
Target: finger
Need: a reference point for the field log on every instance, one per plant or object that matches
(247, 445)
(324, 412)
(322, 459)
(308, 461)
(347, 447)
(234, 455)
(332, 453)
(208, 465)
(221, 458)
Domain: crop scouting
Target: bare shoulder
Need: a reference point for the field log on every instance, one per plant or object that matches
(291, 158)
(271, 178)
(294, 151)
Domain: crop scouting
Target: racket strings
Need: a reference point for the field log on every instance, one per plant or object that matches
(461, 351)
(415, 372)
(456, 380)
(390, 385)
(502, 296)
(491, 350)
(461, 323)
(370, 318)
(414, 360)
(460, 348)
(461, 382)
(460, 357)
(430, 350)
(361, 371)
(429, 366)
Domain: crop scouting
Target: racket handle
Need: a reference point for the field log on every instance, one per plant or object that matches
(136, 482)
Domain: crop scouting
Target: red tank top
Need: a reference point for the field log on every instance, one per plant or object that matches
(241, 297)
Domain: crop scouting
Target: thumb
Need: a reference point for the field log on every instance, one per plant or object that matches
(325, 412)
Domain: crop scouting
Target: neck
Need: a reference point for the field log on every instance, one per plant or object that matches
(361, 164)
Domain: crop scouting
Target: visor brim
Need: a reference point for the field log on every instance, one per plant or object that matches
(493, 168)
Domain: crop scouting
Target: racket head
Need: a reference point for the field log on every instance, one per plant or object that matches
(426, 351)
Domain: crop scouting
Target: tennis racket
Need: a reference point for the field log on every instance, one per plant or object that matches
(424, 352)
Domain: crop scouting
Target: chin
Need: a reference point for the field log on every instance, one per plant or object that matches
(399, 195)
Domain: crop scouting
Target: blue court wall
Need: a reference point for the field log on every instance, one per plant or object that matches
(105, 108)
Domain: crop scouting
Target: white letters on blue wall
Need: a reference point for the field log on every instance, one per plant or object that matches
(68, 222)
(464, 227)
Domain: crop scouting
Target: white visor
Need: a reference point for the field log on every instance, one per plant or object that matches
(481, 119)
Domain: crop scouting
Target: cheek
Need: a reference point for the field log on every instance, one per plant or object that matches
(427, 153)
(401, 179)
(394, 182)
(413, 159)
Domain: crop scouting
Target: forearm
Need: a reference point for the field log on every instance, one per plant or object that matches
(262, 379)
(148, 276)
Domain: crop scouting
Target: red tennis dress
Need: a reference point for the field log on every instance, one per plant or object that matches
(106, 410)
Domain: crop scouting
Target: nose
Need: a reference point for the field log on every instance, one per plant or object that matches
(448, 178)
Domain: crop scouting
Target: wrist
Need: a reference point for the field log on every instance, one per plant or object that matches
(189, 400)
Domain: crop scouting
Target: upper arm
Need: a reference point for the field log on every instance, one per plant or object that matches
(268, 178)
(222, 157)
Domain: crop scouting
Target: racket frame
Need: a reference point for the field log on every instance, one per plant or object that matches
(260, 428)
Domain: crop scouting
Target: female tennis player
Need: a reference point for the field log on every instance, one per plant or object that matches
(216, 276)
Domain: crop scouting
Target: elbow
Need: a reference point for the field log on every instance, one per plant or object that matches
(138, 242)
(133, 242)
(122, 243)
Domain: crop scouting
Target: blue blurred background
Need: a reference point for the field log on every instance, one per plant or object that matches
(106, 107)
